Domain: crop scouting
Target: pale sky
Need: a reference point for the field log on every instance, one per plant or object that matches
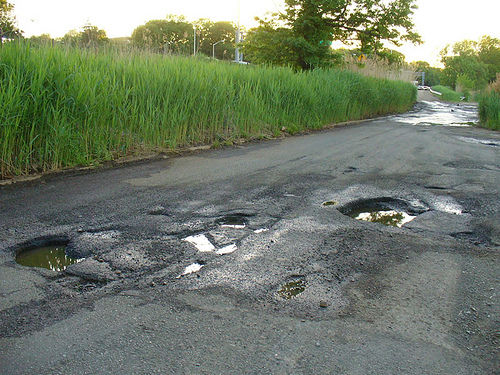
(439, 22)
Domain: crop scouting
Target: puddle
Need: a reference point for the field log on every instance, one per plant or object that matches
(329, 203)
(227, 249)
(486, 142)
(386, 211)
(236, 221)
(51, 257)
(292, 288)
(201, 242)
(438, 113)
(192, 268)
(390, 218)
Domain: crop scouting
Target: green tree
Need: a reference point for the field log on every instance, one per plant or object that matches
(471, 64)
(213, 32)
(173, 35)
(306, 28)
(432, 74)
(8, 28)
(88, 36)
(43, 39)
(92, 36)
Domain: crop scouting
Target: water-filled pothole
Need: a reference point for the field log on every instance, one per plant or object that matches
(292, 288)
(237, 221)
(386, 211)
(51, 257)
(392, 218)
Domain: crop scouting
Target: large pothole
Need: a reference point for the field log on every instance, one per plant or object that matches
(385, 210)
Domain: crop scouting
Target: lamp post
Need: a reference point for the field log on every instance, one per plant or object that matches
(213, 47)
(238, 34)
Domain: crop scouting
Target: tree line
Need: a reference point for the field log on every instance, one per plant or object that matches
(468, 65)
(301, 37)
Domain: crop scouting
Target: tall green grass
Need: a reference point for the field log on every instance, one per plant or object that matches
(489, 110)
(67, 107)
(448, 94)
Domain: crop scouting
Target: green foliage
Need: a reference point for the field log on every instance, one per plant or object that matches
(8, 27)
(448, 93)
(61, 107)
(213, 32)
(88, 36)
(172, 35)
(432, 75)
(475, 63)
(43, 39)
(302, 33)
(489, 110)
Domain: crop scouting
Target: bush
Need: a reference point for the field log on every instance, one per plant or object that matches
(489, 106)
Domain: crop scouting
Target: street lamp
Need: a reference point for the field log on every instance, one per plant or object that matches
(213, 47)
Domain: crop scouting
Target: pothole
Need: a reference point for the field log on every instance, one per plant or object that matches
(292, 288)
(329, 203)
(51, 257)
(236, 221)
(386, 211)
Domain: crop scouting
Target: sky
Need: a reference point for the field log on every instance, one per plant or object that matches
(439, 22)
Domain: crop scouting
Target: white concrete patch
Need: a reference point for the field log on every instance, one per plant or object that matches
(260, 230)
(227, 249)
(201, 242)
(192, 268)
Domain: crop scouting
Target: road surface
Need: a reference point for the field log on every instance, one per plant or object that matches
(188, 262)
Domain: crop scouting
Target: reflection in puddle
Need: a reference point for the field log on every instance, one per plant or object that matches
(201, 242)
(438, 113)
(390, 218)
(51, 257)
(292, 288)
(192, 268)
(236, 221)
(227, 249)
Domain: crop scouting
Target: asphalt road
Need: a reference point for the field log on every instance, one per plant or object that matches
(421, 299)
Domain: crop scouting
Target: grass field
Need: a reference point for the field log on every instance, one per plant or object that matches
(69, 107)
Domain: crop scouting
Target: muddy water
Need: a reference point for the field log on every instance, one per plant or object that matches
(51, 257)
(292, 288)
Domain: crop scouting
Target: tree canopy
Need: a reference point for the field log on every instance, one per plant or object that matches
(88, 36)
(471, 64)
(302, 34)
(173, 34)
(8, 28)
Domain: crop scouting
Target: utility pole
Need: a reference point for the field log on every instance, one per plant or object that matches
(238, 36)
(213, 47)
(194, 40)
